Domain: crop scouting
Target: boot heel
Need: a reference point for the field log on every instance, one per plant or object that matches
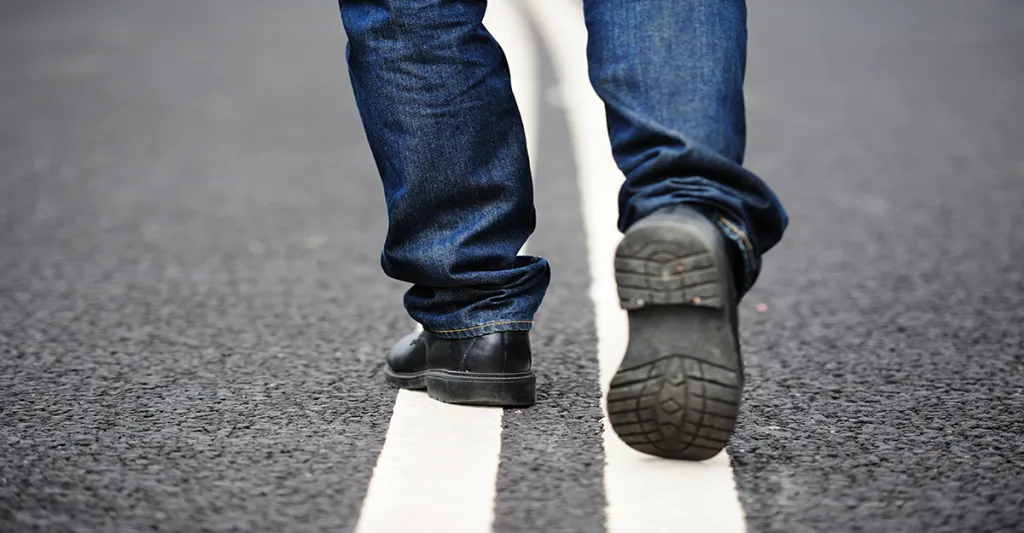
(661, 265)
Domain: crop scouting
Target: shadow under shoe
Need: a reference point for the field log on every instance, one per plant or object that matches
(492, 369)
(677, 392)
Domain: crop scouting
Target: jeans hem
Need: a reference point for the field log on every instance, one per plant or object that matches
(482, 329)
(750, 260)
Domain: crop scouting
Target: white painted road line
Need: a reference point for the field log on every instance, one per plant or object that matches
(512, 31)
(438, 469)
(644, 493)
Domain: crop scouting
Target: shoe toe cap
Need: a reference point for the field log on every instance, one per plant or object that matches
(408, 354)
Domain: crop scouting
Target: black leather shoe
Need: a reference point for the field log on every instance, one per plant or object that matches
(492, 369)
(677, 391)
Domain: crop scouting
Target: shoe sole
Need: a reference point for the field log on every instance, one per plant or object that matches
(498, 390)
(677, 392)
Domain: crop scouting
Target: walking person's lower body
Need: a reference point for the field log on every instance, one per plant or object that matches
(434, 94)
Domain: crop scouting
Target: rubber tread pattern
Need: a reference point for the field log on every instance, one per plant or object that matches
(661, 273)
(677, 406)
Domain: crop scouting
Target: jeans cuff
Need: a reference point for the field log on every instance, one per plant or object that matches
(751, 262)
(482, 329)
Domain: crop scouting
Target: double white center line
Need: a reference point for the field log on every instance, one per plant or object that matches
(438, 469)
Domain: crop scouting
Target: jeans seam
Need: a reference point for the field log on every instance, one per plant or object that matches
(749, 259)
(483, 326)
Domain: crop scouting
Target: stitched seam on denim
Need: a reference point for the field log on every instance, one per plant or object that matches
(484, 326)
(748, 257)
(749, 247)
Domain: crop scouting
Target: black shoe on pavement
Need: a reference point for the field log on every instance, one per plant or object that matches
(677, 391)
(492, 369)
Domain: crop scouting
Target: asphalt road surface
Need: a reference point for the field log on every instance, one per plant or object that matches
(193, 317)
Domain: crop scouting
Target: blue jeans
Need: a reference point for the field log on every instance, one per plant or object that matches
(433, 92)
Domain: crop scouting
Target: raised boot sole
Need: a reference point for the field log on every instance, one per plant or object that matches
(677, 392)
(499, 390)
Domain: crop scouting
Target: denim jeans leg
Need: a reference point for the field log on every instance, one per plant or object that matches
(670, 73)
(434, 95)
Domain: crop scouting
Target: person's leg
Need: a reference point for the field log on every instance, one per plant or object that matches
(433, 91)
(696, 222)
(671, 75)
